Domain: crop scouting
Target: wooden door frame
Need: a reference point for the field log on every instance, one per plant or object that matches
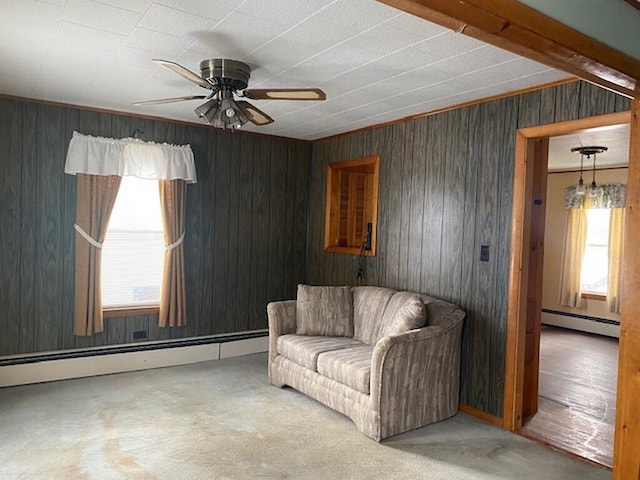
(626, 446)
(520, 240)
(511, 25)
(533, 258)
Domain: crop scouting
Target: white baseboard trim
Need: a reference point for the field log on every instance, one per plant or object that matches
(244, 347)
(92, 365)
(581, 324)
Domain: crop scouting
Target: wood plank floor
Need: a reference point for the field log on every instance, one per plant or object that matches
(577, 394)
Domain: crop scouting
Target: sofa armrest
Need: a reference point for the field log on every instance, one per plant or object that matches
(282, 320)
(415, 377)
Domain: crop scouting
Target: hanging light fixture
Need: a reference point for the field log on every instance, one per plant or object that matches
(588, 151)
(581, 190)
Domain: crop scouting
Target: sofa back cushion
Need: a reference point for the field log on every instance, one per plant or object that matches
(405, 311)
(369, 304)
(324, 310)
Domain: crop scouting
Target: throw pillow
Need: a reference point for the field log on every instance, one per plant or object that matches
(411, 315)
(324, 311)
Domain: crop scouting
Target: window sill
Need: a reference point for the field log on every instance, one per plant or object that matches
(594, 296)
(130, 311)
(350, 251)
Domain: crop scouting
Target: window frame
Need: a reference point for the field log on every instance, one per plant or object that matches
(593, 296)
(120, 311)
(337, 174)
(589, 294)
(114, 312)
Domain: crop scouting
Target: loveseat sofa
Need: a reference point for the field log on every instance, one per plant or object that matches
(388, 360)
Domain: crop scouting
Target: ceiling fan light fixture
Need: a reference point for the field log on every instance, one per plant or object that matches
(228, 106)
(220, 120)
(207, 110)
(240, 117)
(222, 112)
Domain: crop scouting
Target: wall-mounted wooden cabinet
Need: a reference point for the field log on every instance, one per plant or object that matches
(352, 206)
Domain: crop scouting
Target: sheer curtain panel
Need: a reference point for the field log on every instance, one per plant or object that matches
(574, 242)
(616, 235)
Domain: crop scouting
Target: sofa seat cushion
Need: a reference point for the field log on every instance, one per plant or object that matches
(304, 349)
(348, 366)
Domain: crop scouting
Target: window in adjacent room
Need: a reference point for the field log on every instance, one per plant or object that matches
(593, 247)
(133, 251)
(594, 271)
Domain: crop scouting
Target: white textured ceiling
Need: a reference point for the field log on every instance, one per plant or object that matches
(376, 64)
(614, 137)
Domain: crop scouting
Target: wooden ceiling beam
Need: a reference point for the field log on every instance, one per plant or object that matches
(516, 27)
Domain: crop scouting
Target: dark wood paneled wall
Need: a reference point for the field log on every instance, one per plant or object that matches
(446, 188)
(245, 242)
(446, 185)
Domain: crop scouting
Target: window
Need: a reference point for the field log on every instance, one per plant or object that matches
(595, 264)
(139, 226)
(352, 206)
(133, 251)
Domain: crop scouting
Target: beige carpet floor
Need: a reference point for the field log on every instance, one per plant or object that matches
(222, 420)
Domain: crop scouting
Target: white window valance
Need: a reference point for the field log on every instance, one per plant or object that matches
(129, 156)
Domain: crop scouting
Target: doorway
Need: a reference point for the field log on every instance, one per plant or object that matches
(578, 345)
(526, 273)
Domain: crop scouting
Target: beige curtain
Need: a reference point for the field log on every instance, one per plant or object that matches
(96, 195)
(173, 196)
(616, 233)
(574, 243)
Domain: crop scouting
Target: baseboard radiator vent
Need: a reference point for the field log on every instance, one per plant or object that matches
(583, 323)
(77, 363)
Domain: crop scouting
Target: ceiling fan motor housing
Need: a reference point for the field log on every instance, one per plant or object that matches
(225, 73)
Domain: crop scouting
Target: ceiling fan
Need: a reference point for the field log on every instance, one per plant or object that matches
(227, 79)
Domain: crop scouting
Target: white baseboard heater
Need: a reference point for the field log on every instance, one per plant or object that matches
(583, 323)
(66, 364)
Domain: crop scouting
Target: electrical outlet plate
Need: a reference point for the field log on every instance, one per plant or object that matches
(140, 335)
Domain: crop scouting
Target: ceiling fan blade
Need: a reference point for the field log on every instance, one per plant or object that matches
(185, 72)
(285, 94)
(171, 100)
(255, 115)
